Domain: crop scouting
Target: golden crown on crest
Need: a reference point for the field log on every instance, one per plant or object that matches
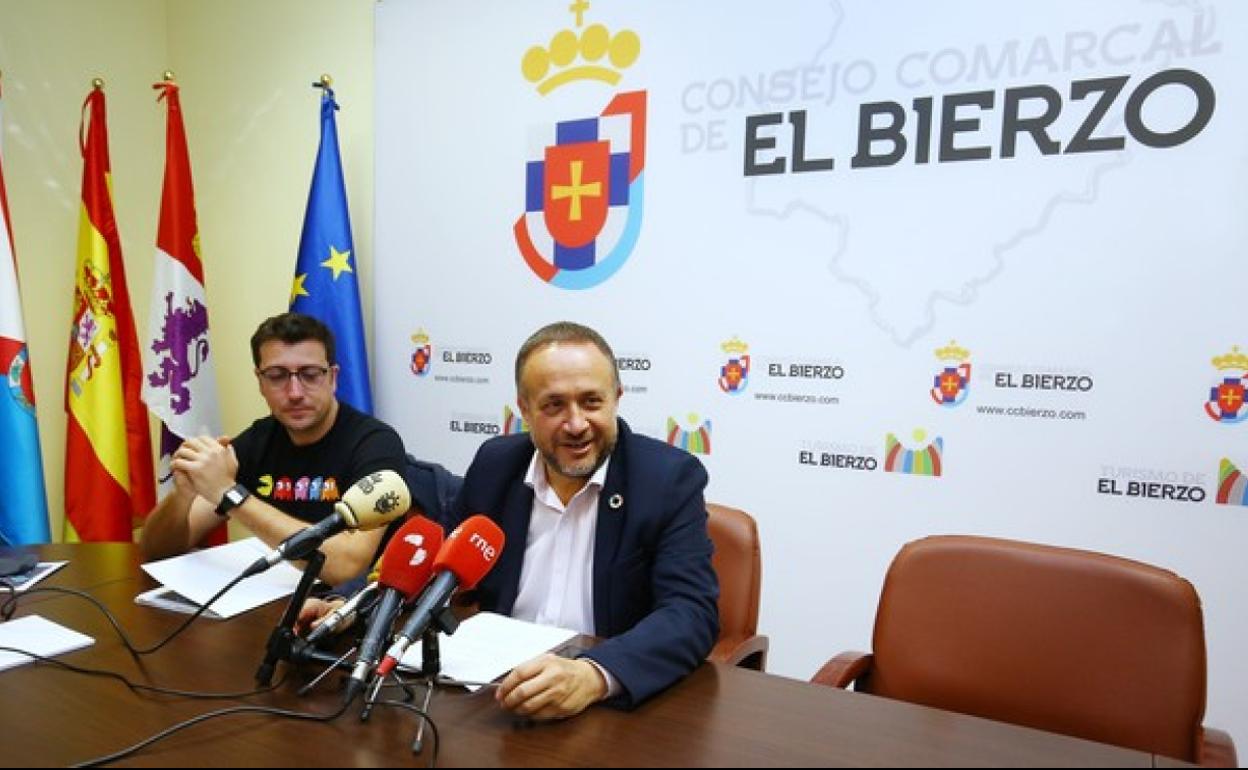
(734, 347)
(1233, 360)
(953, 352)
(420, 338)
(570, 56)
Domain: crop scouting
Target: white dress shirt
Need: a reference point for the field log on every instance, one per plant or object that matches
(557, 578)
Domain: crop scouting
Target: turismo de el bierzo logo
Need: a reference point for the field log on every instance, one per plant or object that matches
(584, 183)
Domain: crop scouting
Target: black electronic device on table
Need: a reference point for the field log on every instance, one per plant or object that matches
(18, 564)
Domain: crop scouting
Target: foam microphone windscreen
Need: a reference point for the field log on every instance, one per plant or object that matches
(376, 499)
(408, 559)
(471, 550)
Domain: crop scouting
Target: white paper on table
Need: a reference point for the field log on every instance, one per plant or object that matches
(39, 635)
(488, 645)
(200, 574)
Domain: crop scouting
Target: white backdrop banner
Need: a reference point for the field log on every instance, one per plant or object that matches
(889, 269)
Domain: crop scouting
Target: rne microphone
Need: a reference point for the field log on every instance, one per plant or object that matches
(377, 499)
(469, 553)
(405, 569)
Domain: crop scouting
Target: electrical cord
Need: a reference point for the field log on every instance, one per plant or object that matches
(225, 712)
(433, 727)
(10, 606)
(138, 687)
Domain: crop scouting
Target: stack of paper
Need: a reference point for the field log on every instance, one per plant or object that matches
(488, 645)
(38, 635)
(192, 579)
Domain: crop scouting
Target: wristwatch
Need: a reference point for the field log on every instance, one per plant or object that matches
(233, 497)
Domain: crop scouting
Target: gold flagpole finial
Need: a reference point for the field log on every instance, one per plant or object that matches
(168, 76)
(97, 83)
(325, 82)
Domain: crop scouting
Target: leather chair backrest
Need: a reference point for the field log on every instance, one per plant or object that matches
(738, 563)
(1063, 640)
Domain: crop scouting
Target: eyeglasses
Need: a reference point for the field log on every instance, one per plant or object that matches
(278, 377)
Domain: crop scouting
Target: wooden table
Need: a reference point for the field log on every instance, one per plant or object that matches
(719, 716)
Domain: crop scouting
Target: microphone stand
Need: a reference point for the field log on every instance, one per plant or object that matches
(430, 653)
(431, 665)
(370, 698)
(304, 651)
(282, 640)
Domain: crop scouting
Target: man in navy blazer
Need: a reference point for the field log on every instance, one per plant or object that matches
(606, 534)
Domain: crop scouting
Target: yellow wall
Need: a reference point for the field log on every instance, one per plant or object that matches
(245, 69)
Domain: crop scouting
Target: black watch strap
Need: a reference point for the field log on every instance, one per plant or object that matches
(233, 497)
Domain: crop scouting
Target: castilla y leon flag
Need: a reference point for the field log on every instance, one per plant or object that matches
(326, 285)
(109, 481)
(179, 382)
(24, 504)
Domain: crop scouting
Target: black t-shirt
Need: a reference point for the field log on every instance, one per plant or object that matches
(306, 481)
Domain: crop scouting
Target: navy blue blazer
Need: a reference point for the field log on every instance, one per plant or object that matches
(655, 592)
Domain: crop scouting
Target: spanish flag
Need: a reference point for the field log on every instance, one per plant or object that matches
(109, 479)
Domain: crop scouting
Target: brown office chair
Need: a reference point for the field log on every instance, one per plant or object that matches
(739, 565)
(1067, 641)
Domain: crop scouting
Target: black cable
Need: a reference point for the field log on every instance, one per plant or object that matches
(10, 606)
(168, 731)
(6, 585)
(433, 727)
(137, 687)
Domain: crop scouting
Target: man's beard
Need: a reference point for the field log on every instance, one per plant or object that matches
(582, 470)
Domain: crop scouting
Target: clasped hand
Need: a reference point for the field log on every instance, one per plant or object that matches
(205, 465)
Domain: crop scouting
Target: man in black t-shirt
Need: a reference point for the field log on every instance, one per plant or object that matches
(288, 469)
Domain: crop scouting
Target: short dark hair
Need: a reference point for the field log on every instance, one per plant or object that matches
(564, 331)
(292, 328)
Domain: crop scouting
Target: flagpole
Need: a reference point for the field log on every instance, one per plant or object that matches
(108, 459)
(326, 281)
(180, 387)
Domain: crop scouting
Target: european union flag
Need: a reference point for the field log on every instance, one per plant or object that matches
(326, 283)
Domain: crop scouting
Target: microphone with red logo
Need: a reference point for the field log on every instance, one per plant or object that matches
(469, 553)
(405, 569)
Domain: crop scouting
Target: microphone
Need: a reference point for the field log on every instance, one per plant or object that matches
(469, 553)
(343, 615)
(405, 568)
(377, 499)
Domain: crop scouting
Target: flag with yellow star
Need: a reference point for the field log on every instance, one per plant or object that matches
(326, 283)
